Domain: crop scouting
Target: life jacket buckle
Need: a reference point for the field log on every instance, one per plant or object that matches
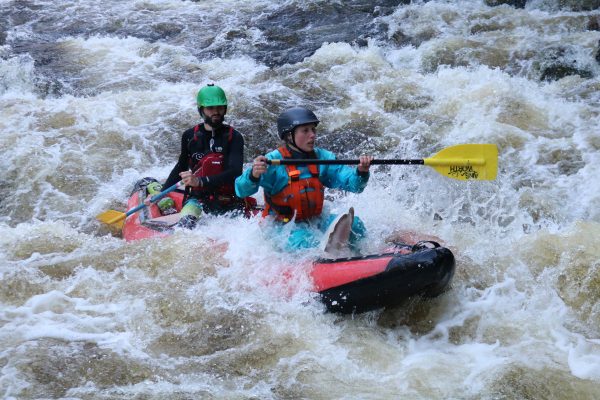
(294, 175)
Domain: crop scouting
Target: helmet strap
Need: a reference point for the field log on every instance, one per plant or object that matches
(291, 138)
(292, 143)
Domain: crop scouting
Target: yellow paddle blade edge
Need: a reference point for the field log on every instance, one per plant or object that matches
(112, 217)
(466, 162)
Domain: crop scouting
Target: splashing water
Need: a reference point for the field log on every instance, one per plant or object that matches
(95, 96)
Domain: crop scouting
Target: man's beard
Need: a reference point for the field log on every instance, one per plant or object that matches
(216, 122)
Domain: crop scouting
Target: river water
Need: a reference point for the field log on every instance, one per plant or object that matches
(95, 95)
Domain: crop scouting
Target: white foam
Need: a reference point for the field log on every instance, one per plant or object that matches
(67, 158)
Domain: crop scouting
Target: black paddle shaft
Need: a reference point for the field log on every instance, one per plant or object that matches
(344, 162)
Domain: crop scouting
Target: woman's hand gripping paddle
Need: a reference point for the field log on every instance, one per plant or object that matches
(462, 162)
(117, 218)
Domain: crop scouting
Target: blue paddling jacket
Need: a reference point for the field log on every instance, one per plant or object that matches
(276, 179)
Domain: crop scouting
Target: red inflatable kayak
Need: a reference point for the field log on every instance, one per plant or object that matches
(149, 222)
(345, 285)
(366, 283)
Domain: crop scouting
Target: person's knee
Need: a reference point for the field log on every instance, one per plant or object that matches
(359, 231)
(301, 239)
(192, 207)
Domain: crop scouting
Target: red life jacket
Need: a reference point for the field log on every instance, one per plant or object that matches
(212, 163)
(301, 197)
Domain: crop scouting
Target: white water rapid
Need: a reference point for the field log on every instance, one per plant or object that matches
(95, 95)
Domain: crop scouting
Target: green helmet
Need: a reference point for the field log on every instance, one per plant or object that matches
(210, 96)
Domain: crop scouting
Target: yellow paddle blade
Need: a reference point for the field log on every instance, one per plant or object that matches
(466, 161)
(112, 217)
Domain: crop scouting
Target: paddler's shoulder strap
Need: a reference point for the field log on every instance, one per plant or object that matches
(287, 154)
(230, 135)
(291, 169)
(194, 136)
(227, 142)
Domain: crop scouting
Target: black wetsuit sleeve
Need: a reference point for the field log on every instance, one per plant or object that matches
(182, 162)
(235, 162)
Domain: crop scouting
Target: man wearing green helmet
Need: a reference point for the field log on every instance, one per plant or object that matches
(211, 157)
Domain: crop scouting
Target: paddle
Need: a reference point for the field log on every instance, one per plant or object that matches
(118, 218)
(462, 162)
